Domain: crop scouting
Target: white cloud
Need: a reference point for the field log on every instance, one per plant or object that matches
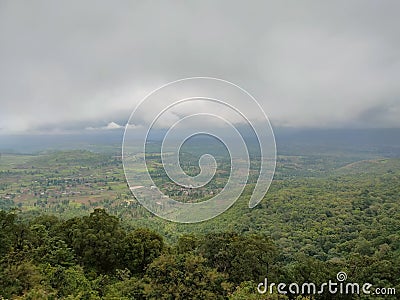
(109, 126)
(311, 64)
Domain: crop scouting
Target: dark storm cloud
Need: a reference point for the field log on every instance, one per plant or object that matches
(86, 64)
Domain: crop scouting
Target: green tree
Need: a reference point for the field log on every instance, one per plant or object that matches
(244, 258)
(7, 228)
(140, 248)
(70, 281)
(15, 279)
(96, 241)
(184, 277)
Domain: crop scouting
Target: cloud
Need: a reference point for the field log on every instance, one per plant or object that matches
(109, 126)
(113, 125)
(78, 65)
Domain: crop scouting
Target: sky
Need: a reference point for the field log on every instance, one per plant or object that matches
(84, 65)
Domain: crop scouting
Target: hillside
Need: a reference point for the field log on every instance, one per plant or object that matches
(322, 215)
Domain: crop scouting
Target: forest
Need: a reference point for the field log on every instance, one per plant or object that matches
(69, 229)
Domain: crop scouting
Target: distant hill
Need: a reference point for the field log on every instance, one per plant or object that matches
(290, 141)
(375, 166)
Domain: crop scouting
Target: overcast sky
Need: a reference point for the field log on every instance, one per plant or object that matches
(72, 65)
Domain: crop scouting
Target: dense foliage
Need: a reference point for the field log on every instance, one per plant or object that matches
(96, 257)
(322, 215)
